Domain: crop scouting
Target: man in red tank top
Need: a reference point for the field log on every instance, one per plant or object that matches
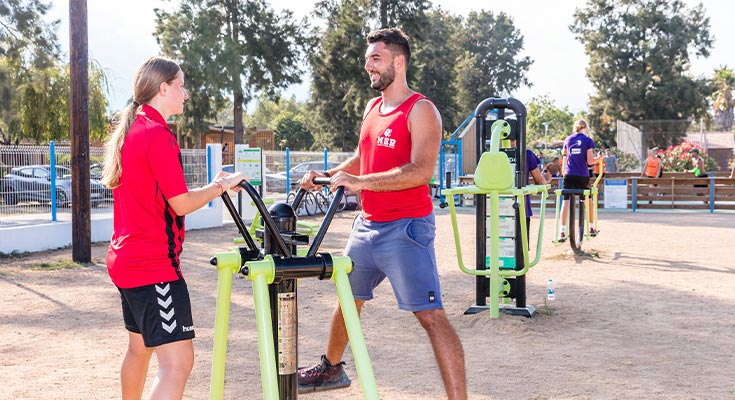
(398, 148)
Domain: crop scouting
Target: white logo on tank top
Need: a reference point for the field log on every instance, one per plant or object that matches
(385, 140)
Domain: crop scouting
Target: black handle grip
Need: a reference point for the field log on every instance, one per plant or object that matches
(321, 180)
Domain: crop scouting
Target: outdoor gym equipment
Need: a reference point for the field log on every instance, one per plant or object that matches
(502, 256)
(577, 234)
(274, 271)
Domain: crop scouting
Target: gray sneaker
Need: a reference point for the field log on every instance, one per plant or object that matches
(322, 376)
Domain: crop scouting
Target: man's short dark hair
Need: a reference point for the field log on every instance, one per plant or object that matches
(394, 39)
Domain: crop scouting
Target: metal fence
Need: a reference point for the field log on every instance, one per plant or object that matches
(27, 181)
(30, 202)
(275, 161)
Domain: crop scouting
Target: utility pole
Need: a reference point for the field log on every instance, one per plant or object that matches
(546, 134)
(81, 224)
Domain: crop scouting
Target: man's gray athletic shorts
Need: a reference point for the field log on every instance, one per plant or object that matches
(402, 250)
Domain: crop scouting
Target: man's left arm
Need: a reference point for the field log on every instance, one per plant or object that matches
(425, 125)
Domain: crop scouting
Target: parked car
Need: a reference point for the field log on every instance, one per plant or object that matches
(33, 183)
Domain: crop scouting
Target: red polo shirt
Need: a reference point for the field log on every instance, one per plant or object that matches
(147, 234)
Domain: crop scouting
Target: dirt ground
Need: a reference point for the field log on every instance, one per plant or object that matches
(649, 312)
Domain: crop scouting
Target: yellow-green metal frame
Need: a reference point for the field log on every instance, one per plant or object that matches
(262, 273)
(494, 272)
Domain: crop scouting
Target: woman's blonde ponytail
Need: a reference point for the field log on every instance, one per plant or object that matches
(113, 147)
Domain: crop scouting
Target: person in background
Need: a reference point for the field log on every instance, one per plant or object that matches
(654, 165)
(552, 169)
(578, 149)
(534, 174)
(611, 162)
(143, 168)
(654, 168)
(393, 236)
(699, 169)
(596, 167)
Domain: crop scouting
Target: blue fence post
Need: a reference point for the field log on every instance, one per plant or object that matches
(288, 170)
(209, 167)
(441, 174)
(52, 162)
(326, 157)
(711, 194)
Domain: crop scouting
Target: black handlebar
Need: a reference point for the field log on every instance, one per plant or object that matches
(321, 180)
(327, 216)
(270, 224)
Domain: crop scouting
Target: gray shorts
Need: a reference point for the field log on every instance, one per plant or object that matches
(401, 250)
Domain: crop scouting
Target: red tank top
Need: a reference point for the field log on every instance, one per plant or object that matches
(385, 143)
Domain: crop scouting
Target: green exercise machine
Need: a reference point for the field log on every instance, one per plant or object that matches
(274, 271)
(588, 200)
(501, 228)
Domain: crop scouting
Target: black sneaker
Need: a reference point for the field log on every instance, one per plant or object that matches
(593, 232)
(562, 237)
(322, 376)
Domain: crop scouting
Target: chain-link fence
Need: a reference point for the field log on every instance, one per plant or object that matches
(27, 179)
(35, 182)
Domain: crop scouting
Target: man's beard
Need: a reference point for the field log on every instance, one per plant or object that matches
(385, 79)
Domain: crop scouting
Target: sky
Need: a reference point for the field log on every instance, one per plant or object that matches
(121, 38)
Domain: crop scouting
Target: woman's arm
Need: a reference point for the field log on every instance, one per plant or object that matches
(195, 199)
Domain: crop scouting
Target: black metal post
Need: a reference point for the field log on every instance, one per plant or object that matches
(283, 302)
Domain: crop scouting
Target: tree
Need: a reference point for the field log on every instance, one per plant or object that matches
(287, 118)
(194, 55)
(434, 60)
(491, 65)
(27, 43)
(339, 87)
(541, 110)
(639, 59)
(43, 103)
(250, 47)
(34, 84)
(723, 102)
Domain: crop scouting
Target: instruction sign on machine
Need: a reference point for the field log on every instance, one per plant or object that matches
(507, 224)
(249, 161)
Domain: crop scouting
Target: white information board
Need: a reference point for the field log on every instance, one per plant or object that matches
(616, 193)
(249, 161)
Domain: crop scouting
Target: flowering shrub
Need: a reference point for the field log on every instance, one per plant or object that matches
(678, 158)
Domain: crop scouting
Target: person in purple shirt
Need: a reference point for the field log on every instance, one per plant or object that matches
(578, 156)
(533, 172)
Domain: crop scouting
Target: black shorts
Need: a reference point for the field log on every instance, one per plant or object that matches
(160, 312)
(575, 182)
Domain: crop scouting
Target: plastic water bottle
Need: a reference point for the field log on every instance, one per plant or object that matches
(550, 295)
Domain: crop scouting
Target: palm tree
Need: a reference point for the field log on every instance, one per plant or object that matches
(724, 82)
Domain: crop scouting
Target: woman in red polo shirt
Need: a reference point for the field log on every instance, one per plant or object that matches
(144, 169)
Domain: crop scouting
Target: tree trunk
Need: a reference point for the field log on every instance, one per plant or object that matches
(724, 120)
(237, 113)
(238, 97)
(383, 14)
